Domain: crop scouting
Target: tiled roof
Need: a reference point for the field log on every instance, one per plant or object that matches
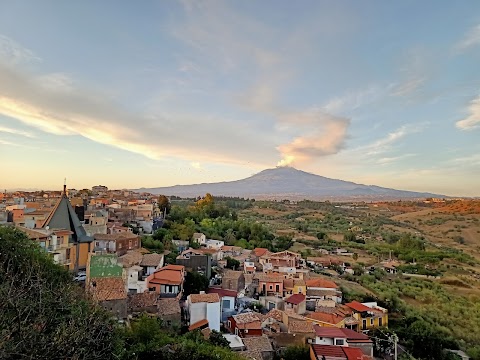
(142, 300)
(329, 332)
(111, 288)
(325, 318)
(353, 353)
(355, 305)
(33, 234)
(252, 354)
(353, 336)
(295, 299)
(288, 283)
(198, 324)
(207, 298)
(321, 283)
(297, 326)
(250, 320)
(274, 314)
(168, 307)
(317, 292)
(329, 351)
(167, 275)
(269, 277)
(116, 236)
(222, 292)
(232, 274)
(151, 259)
(299, 282)
(259, 343)
(260, 251)
(132, 257)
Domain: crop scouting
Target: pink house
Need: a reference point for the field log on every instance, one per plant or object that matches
(270, 284)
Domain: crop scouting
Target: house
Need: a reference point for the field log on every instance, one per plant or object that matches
(390, 266)
(330, 336)
(301, 327)
(320, 288)
(168, 310)
(249, 267)
(272, 302)
(231, 251)
(142, 302)
(181, 245)
(118, 243)
(257, 253)
(105, 281)
(167, 281)
(332, 352)
(282, 259)
(370, 314)
(296, 304)
(151, 263)
(233, 280)
(326, 319)
(359, 340)
(228, 300)
(294, 286)
(199, 238)
(214, 244)
(204, 307)
(272, 320)
(269, 284)
(258, 348)
(63, 216)
(196, 260)
(97, 223)
(246, 324)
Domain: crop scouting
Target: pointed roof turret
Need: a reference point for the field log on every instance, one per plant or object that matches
(63, 216)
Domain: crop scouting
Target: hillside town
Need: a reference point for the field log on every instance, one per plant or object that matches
(260, 301)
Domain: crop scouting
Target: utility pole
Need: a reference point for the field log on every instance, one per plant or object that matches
(395, 346)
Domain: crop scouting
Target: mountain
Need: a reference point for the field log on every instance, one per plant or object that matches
(289, 183)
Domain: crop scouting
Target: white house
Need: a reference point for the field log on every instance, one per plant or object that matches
(136, 283)
(329, 336)
(215, 244)
(204, 307)
(200, 238)
(151, 263)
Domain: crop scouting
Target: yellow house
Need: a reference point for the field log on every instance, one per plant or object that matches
(369, 315)
(326, 319)
(294, 286)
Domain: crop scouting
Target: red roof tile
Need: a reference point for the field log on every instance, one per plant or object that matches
(355, 336)
(354, 353)
(321, 283)
(325, 317)
(329, 332)
(328, 351)
(221, 292)
(355, 305)
(198, 324)
(296, 299)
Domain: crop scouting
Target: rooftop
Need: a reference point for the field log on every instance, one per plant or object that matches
(295, 299)
(321, 283)
(168, 307)
(355, 305)
(298, 326)
(222, 292)
(329, 332)
(105, 289)
(325, 318)
(151, 259)
(200, 298)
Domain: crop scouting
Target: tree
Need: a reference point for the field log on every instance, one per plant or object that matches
(297, 352)
(194, 283)
(163, 204)
(321, 235)
(232, 263)
(355, 256)
(43, 313)
(384, 341)
(349, 236)
(217, 339)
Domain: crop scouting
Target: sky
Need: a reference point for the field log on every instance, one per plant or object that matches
(157, 93)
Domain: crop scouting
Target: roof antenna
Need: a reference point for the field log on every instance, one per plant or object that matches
(65, 186)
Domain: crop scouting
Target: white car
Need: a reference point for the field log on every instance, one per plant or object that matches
(80, 277)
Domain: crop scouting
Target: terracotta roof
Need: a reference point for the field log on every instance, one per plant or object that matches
(299, 282)
(329, 332)
(232, 274)
(132, 257)
(142, 300)
(168, 275)
(295, 299)
(269, 277)
(325, 318)
(222, 292)
(168, 307)
(274, 314)
(151, 259)
(329, 351)
(353, 336)
(355, 305)
(111, 288)
(250, 320)
(231, 248)
(252, 354)
(258, 343)
(174, 267)
(288, 283)
(116, 236)
(198, 324)
(318, 292)
(297, 326)
(260, 251)
(33, 234)
(207, 298)
(321, 283)
(353, 353)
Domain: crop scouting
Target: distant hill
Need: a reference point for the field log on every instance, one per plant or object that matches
(289, 183)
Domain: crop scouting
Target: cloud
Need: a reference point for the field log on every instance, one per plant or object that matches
(196, 165)
(390, 160)
(323, 134)
(409, 86)
(471, 39)
(83, 112)
(354, 100)
(385, 144)
(472, 121)
(9, 130)
(13, 53)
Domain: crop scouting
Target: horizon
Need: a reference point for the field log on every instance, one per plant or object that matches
(179, 93)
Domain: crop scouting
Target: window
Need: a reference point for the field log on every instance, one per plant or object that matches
(271, 287)
(236, 331)
(364, 324)
(380, 322)
(339, 342)
(277, 288)
(229, 323)
(371, 321)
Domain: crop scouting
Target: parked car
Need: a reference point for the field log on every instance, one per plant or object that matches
(80, 277)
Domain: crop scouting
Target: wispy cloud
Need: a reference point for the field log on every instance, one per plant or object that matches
(12, 52)
(471, 39)
(13, 131)
(385, 144)
(354, 99)
(412, 84)
(390, 160)
(196, 165)
(472, 121)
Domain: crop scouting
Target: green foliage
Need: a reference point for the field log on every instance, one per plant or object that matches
(298, 352)
(149, 242)
(232, 263)
(194, 283)
(163, 204)
(349, 236)
(217, 339)
(42, 312)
